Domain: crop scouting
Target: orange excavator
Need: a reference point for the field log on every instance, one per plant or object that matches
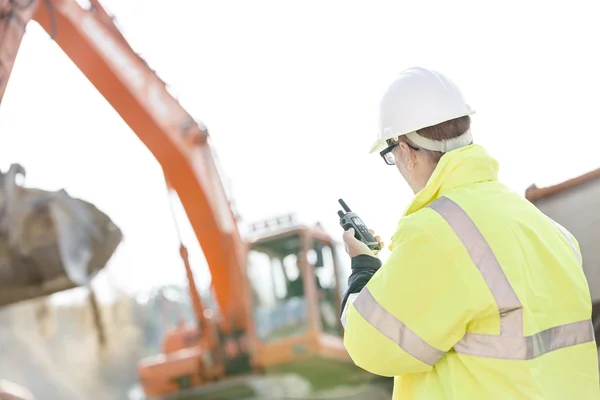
(278, 291)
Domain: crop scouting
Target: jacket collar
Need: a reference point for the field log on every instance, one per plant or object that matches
(461, 167)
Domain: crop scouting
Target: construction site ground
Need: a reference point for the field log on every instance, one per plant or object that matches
(55, 353)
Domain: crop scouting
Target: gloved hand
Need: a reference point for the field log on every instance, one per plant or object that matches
(355, 247)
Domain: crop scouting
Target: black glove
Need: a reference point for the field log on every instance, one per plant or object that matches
(363, 268)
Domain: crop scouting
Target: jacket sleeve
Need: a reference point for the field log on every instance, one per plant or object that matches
(363, 268)
(412, 311)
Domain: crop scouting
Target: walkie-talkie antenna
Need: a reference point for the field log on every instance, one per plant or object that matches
(344, 205)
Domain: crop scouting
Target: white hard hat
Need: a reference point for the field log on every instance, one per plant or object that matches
(419, 98)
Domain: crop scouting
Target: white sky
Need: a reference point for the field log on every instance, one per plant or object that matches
(289, 91)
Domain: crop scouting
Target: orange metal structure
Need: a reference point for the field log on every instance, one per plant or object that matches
(296, 326)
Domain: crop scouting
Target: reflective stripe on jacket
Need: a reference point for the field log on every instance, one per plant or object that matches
(482, 297)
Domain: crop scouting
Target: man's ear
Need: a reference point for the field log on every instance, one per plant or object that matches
(407, 155)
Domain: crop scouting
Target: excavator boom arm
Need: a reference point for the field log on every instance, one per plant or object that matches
(179, 143)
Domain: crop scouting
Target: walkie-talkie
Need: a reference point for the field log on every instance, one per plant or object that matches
(361, 232)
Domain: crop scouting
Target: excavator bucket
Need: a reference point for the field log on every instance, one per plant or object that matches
(49, 241)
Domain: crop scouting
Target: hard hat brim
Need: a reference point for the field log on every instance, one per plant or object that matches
(381, 143)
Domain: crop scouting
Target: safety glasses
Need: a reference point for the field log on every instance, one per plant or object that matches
(387, 154)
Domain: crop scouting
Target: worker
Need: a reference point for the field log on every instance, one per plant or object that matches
(482, 295)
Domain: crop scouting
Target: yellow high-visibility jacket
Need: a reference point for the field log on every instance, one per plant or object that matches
(483, 297)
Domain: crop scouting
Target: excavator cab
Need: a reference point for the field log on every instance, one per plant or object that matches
(297, 283)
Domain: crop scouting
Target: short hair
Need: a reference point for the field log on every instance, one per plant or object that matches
(442, 131)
